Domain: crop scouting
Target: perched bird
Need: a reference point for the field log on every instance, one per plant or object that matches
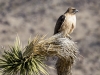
(66, 23)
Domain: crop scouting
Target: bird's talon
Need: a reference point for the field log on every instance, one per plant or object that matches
(70, 38)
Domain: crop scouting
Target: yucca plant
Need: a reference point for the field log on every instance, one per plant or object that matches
(30, 60)
(13, 62)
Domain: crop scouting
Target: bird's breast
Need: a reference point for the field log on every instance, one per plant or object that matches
(71, 19)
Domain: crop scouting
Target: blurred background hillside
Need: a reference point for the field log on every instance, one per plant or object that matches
(29, 17)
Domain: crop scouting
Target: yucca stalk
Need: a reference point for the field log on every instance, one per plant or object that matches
(64, 48)
(13, 62)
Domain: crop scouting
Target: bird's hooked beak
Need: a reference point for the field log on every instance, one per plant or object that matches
(76, 11)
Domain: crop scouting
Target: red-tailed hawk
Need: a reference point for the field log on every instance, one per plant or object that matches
(66, 23)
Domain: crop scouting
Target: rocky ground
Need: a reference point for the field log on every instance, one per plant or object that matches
(29, 17)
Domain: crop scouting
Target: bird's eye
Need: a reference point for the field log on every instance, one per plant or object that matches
(73, 9)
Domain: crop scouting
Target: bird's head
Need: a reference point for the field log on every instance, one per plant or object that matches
(71, 10)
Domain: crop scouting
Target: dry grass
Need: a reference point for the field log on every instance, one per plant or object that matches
(55, 45)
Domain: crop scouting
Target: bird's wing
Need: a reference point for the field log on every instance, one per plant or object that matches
(59, 23)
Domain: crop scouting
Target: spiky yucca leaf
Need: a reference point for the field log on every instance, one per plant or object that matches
(14, 63)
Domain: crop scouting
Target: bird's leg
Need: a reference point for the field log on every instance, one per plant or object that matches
(69, 36)
(66, 35)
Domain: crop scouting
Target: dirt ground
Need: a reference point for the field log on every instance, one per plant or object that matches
(29, 17)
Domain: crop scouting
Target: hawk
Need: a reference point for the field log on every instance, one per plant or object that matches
(66, 23)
